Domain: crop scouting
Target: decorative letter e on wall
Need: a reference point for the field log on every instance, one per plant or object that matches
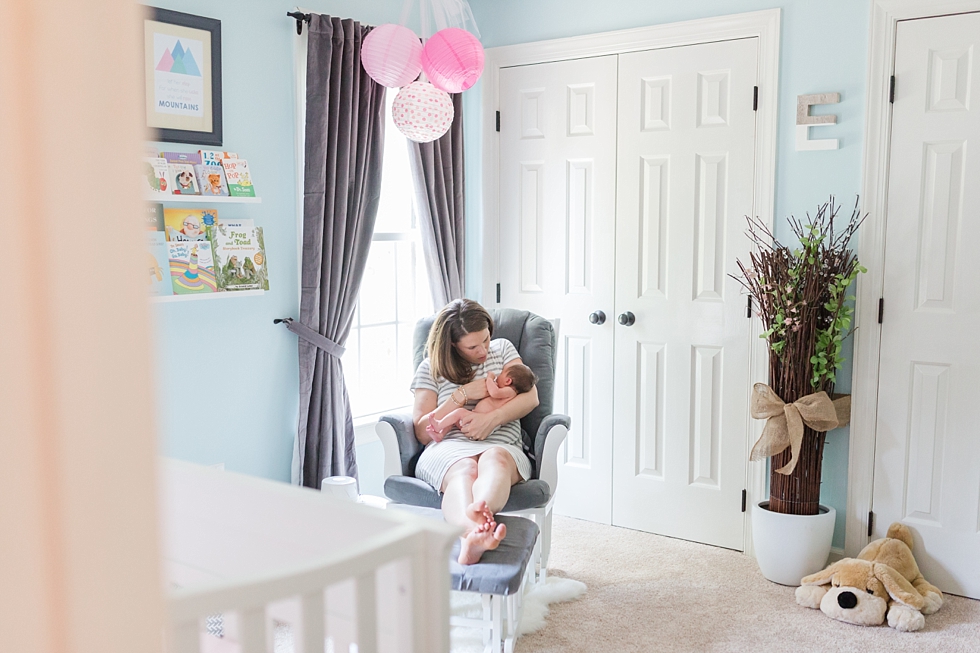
(804, 121)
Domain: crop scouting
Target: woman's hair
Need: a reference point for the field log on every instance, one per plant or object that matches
(458, 318)
(522, 377)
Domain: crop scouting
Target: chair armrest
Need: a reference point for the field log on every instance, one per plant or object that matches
(550, 435)
(397, 435)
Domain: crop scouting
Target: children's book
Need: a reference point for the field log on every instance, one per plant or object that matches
(239, 179)
(215, 156)
(189, 224)
(191, 267)
(157, 175)
(182, 172)
(158, 262)
(211, 179)
(185, 180)
(239, 256)
(190, 158)
(153, 217)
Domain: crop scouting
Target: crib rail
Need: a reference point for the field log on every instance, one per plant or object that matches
(399, 570)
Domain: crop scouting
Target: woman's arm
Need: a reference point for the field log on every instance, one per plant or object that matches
(477, 426)
(425, 403)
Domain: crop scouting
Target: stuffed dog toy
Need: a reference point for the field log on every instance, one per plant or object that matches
(883, 580)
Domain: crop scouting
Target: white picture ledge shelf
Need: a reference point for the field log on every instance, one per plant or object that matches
(207, 295)
(202, 199)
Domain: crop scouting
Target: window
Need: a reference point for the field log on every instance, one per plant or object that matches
(394, 293)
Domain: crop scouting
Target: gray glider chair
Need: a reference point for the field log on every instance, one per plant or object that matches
(543, 432)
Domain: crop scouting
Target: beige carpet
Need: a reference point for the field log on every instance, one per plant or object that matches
(652, 593)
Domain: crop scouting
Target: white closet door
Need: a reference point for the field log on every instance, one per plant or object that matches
(927, 449)
(686, 161)
(557, 226)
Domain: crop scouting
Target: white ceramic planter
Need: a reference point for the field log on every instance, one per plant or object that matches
(789, 547)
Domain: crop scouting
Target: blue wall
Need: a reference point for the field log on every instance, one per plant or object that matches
(823, 49)
(227, 378)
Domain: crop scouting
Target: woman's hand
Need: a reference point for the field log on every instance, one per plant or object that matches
(475, 390)
(477, 426)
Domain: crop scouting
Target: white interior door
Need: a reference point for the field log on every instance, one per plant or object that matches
(927, 451)
(557, 224)
(686, 152)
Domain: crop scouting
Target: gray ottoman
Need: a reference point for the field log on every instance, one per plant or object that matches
(499, 578)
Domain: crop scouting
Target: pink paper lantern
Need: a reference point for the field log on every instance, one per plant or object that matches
(422, 112)
(392, 55)
(452, 60)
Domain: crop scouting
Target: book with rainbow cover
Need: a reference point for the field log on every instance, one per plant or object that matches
(191, 267)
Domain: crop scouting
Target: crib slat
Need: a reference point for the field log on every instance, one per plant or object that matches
(367, 614)
(187, 637)
(314, 627)
(430, 587)
(253, 630)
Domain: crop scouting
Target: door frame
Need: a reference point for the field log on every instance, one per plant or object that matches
(764, 25)
(885, 15)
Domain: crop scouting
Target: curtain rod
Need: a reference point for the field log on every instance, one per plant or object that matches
(300, 18)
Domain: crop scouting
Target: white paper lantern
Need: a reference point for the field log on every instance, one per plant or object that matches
(422, 112)
(392, 55)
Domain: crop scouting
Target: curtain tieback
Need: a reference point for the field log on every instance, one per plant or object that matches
(314, 338)
(784, 425)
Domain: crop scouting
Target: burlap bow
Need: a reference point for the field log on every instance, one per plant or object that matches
(785, 425)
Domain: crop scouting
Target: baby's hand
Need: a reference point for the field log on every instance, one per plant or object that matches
(491, 382)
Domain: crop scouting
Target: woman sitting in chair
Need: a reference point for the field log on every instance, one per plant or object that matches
(478, 461)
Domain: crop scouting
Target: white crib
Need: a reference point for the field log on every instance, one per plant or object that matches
(331, 573)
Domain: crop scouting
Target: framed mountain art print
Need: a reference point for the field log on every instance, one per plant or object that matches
(182, 67)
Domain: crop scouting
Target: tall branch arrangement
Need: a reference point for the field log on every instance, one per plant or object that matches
(801, 296)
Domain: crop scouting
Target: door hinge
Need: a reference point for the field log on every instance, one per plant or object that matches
(748, 308)
(498, 293)
(881, 310)
(871, 523)
(498, 121)
(891, 90)
(755, 99)
(744, 499)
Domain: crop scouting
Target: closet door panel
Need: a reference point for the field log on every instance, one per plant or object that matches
(557, 244)
(686, 152)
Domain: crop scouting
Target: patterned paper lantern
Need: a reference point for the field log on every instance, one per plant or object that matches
(392, 55)
(422, 112)
(452, 60)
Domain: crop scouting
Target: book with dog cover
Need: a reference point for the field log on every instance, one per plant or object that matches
(190, 224)
(211, 179)
(239, 179)
(191, 267)
(157, 174)
(239, 256)
(185, 179)
(158, 264)
(182, 172)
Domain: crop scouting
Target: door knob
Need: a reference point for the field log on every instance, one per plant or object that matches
(598, 318)
(627, 319)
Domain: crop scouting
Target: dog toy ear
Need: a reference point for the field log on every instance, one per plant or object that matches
(897, 587)
(822, 577)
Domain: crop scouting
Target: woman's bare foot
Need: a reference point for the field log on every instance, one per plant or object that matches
(477, 541)
(478, 513)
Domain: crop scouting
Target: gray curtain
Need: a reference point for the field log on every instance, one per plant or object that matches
(344, 144)
(437, 172)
